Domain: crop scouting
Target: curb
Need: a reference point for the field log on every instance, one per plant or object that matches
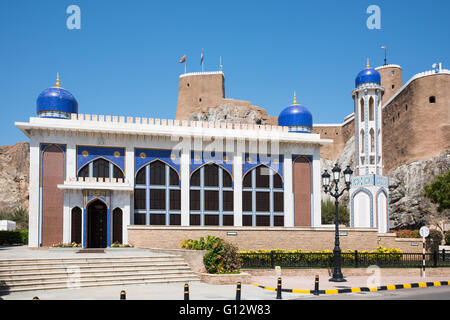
(363, 289)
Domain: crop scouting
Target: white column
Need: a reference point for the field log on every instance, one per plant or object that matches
(288, 191)
(33, 203)
(237, 177)
(316, 190)
(185, 177)
(67, 219)
(71, 161)
(127, 212)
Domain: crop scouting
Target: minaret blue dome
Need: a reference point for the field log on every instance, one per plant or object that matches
(368, 75)
(296, 117)
(56, 102)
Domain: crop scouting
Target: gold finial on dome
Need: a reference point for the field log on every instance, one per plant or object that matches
(368, 65)
(57, 80)
(295, 98)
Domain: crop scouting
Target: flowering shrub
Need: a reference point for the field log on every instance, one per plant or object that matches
(66, 245)
(320, 258)
(222, 256)
(119, 245)
(407, 233)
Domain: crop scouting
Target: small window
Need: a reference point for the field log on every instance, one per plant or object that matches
(432, 99)
(200, 99)
(393, 72)
(393, 86)
(188, 84)
(406, 107)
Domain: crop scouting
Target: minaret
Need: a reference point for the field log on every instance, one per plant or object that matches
(367, 98)
(369, 193)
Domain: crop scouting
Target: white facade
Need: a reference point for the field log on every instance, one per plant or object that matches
(132, 134)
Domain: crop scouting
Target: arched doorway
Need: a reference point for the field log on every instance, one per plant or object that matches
(96, 224)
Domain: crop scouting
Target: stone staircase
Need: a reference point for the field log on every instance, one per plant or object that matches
(62, 273)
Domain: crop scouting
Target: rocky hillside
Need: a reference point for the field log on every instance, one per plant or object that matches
(14, 176)
(235, 111)
(408, 207)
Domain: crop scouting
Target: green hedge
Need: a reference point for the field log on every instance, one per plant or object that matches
(14, 237)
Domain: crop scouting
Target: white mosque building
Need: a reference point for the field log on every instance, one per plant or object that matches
(92, 176)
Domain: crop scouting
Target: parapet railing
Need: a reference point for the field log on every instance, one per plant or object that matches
(95, 180)
(88, 118)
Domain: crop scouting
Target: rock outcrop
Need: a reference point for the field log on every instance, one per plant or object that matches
(14, 176)
(408, 206)
(235, 111)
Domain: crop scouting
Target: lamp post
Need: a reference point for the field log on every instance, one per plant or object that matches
(336, 171)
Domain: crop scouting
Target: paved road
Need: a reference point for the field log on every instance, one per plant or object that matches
(203, 291)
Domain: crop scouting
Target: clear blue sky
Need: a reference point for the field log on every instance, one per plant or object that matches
(124, 60)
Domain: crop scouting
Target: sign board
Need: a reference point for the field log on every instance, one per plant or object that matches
(424, 232)
(278, 271)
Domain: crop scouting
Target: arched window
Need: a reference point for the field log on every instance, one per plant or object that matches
(262, 198)
(211, 196)
(361, 106)
(372, 140)
(100, 168)
(362, 141)
(371, 109)
(157, 195)
(76, 225)
(117, 225)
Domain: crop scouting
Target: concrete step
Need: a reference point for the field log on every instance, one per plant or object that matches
(63, 285)
(16, 262)
(63, 275)
(50, 273)
(90, 264)
(88, 270)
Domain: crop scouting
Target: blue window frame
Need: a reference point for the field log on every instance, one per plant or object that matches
(211, 196)
(100, 168)
(262, 198)
(157, 195)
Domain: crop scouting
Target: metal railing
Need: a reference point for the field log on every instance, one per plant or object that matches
(349, 260)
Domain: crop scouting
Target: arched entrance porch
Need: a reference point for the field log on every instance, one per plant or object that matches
(97, 224)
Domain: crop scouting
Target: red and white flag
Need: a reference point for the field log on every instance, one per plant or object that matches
(383, 47)
(183, 59)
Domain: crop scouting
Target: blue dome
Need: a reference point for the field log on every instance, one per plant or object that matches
(368, 75)
(297, 117)
(56, 102)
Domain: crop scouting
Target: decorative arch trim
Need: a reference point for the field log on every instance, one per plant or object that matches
(100, 157)
(262, 165)
(157, 159)
(144, 157)
(211, 162)
(251, 161)
(88, 154)
(198, 160)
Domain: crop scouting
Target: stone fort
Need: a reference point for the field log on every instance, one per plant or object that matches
(415, 114)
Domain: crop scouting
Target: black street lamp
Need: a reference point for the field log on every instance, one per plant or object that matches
(337, 273)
